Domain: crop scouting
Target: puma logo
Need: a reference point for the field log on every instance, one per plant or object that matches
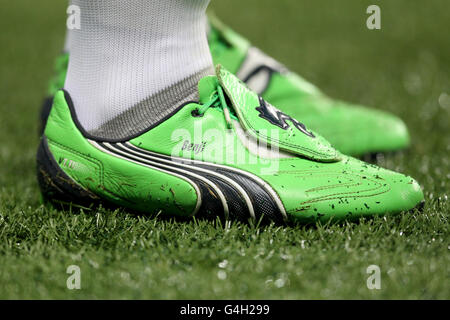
(278, 118)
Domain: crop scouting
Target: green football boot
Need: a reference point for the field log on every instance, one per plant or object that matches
(352, 129)
(231, 154)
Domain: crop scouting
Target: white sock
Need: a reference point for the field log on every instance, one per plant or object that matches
(135, 62)
(68, 41)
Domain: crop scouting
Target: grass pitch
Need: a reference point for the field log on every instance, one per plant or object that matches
(403, 68)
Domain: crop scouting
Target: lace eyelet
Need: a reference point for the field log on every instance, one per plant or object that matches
(196, 114)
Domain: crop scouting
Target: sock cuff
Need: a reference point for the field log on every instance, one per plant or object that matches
(152, 110)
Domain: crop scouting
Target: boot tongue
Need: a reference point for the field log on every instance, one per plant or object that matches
(207, 86)
(266, 123)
